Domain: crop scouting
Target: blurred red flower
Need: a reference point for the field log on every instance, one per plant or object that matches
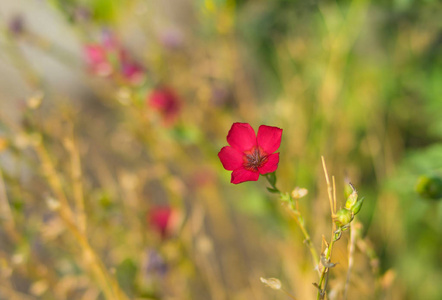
(110, 58)
(97, 60)
(166, 102)
(130, 70)
(249, 155)
(162, 219)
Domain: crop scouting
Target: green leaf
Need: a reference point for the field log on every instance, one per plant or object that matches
(272, 190)
(272, 178)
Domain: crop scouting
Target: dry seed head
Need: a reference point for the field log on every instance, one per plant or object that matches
(326, 262)
(18, 259)
(21, 140)
(124, 96)
(39, 288)
(52, 203)
(35, 100)
(298, 192)
(204, 244)
(273, 283)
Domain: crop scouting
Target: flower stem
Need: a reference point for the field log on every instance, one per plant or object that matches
(336, 234)
(293, 209)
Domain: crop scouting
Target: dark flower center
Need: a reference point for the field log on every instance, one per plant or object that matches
(254, 159)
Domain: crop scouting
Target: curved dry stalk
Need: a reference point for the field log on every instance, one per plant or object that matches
(108, 284)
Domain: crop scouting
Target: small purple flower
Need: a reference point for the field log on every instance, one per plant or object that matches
(16, 25)
(154, 265)
(171, 38)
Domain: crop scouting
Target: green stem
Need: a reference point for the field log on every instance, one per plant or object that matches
(299, 220)
(336, 235)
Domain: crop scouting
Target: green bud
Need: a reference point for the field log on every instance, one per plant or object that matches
(357, 207)
(352, 198)
(343, 217)
(348, 190)
(429, 186)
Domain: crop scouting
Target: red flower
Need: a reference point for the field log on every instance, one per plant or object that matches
(166, 102)
(249, 155)
(162, 219)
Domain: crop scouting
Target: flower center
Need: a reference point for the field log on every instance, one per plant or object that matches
(254, 159)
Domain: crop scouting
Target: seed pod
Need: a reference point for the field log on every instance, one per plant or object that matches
(348, 190)
(352, 199)
(357, 207)
(343, 217)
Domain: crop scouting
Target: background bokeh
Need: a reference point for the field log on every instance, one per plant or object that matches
(118, 109)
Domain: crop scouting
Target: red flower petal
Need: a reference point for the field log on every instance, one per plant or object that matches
(241, 175)
(96, 57)
(270, 165)
(166, 102)
(230, 158)
(95, 53)
(269, 138)
(241, 137)
(159, 218)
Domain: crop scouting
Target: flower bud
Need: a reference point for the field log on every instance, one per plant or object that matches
(348, 190)
(429, 186)
(343, 217)
(352, 199)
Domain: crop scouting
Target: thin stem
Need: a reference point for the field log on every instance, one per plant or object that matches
(51, 176)
(351, 252)
(77, 185)
(329, 186)
(334, 196)
(90, 256)
(107, 283)
(321, 290)
(288, 294)
(335, 236)
(5, 209)
(299, 220)
(307, 240)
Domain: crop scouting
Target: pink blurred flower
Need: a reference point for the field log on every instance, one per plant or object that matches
(249, 155)
(171, 39)
(98, 60)
(201, 177)
(131, 71)
(110, 58)
(162, 219)
(166, 102)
